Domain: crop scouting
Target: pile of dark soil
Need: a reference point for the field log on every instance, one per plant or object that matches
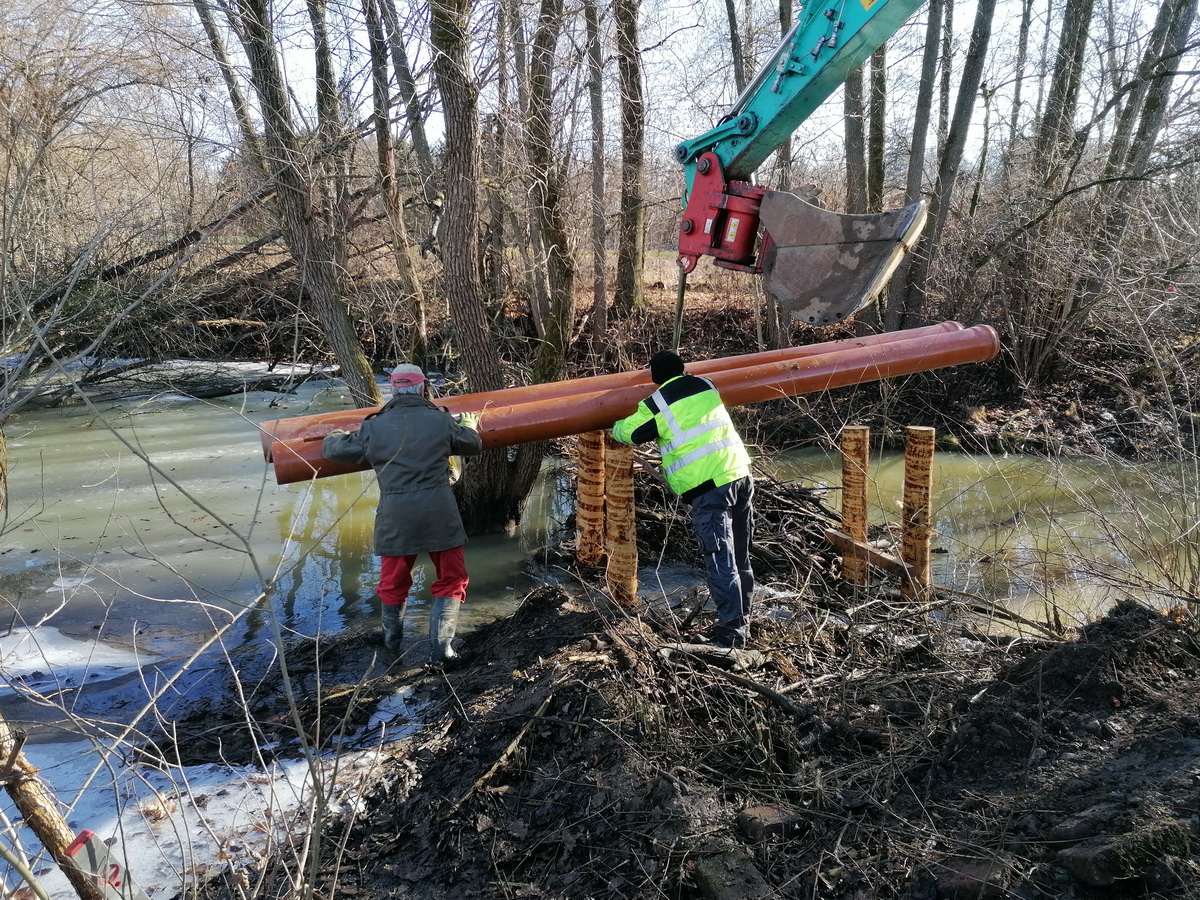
(865, 748)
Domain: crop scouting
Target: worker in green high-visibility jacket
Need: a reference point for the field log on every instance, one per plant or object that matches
(706, 464)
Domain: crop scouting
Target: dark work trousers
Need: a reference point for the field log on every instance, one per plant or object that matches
(723, 521)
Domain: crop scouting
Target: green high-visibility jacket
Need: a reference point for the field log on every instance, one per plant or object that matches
(700, 448)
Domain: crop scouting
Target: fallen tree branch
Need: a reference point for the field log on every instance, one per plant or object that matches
(508, 752)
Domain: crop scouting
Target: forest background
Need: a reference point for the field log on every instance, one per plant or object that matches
(488, 189)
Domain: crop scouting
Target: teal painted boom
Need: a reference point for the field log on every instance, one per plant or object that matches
(828, 41)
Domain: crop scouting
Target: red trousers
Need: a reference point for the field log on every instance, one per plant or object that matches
(395, 576)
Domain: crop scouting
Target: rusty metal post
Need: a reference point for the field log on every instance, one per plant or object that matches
(39, 808)
(856, 444)
(620, 524)
(918, 510)
(589, 499)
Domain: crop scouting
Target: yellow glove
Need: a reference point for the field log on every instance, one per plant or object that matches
(469, 420)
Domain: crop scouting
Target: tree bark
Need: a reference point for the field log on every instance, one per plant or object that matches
(896, 315)
(735, 47)
(494, 486)
(877, 129)
(947, 70)
(631, 241)
(546, 172)
(855, 139)
(599, 241)
(413, 112)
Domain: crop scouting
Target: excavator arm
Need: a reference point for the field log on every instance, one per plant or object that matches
(821, 266)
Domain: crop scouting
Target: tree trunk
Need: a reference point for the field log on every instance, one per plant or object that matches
(529, 240)
(389, 190)
(735, 47)
(241, 110)
(896, 316)
(413, 113)
(1019, 75)
(599, 242)
(876, 129)
(546, 171)
(495, 164)
(1147, 75)
(494, 486)
(776, 318)
(631, 241)
(952, 153)
(305, 224)
(1054, 142)
(947, 68)
(855, 142)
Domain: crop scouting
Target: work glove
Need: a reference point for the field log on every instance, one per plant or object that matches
(469, 420)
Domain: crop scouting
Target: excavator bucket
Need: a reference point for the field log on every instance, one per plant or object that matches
(823, 266)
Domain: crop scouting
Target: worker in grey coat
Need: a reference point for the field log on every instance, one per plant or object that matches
(409, 443)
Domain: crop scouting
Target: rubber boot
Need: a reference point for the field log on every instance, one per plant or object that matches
(443, 624)
(393, 626)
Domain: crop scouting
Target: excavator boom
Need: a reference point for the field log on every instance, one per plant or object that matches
(819, 265)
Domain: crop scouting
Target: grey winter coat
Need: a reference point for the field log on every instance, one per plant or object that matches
(409, 443)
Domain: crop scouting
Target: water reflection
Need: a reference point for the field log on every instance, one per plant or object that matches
(158, 523)
(1045, 537)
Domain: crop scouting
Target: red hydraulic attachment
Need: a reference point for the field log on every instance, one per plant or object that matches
(519, 415)
(721, 220)
(820, 266)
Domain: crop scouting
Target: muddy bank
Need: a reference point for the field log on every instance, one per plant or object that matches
(862, 749)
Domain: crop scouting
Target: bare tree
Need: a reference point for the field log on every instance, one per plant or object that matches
(493, 487)
(631, 241)
(877, 129)
(308, 224)
(389, 188)
(855, 142)
(1054, 142)
(413, 110)
(951, 156)
(599, 236)
(895, 313)
(241, 109)
(546, 173)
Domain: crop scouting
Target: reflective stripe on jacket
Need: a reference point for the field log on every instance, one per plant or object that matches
(699, 445)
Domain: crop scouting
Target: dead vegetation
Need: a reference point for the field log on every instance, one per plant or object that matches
(865, 749)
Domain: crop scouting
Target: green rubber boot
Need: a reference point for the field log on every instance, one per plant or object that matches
(443, 624)
(393, 626)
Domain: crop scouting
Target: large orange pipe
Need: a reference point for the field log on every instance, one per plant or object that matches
(501, 426)
(318, 425)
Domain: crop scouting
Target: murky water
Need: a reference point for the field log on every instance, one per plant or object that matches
(1043, 538)
(161, 516)
(155, 523)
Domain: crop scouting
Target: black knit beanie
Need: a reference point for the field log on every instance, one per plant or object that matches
(665, 365)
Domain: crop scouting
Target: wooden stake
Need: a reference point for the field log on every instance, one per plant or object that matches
(620, 525)
(918, 510)
(39, 808)
(856, 445)
(589, 499)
